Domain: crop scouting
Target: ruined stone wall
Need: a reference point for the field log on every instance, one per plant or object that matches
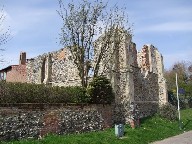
(163, 96)
(34, 69)
(149, 80)
(137, 78)
(64, 71)
(116, 65)
(146, 92)
(56, 68)
(145, 88)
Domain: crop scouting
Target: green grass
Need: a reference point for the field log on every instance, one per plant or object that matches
(151, 129)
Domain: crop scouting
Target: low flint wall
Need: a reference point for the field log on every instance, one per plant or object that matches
(34, 121)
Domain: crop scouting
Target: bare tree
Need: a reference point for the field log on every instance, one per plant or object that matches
(83, 23)
(4, 33)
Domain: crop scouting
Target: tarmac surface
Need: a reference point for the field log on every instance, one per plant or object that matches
(185, 138)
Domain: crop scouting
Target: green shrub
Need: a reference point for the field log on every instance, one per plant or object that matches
(172, 99)
(168, 111)
(39, 93)
(190, 102)
(100, 91)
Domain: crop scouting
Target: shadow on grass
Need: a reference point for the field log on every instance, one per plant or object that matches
(187, 123)
(143, 120)
(163, 124)
(125, 132)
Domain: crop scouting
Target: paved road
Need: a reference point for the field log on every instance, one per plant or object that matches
(185, 138)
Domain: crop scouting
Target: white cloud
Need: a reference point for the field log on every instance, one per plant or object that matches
(168, 26)
(170, 59)
(28, 18)
(177, 12)
(167, 18)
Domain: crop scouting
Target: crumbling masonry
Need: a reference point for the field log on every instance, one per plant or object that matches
(136, 77)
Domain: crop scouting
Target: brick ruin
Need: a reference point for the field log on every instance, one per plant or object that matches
(137, 77)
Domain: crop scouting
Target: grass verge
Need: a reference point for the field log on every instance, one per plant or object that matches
(151, 129)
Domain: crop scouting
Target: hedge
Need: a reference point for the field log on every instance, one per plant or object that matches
(99, 91)
(39, 93)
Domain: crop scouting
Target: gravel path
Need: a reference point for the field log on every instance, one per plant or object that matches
(185, 138)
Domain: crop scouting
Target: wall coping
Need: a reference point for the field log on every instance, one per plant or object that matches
(48, 105)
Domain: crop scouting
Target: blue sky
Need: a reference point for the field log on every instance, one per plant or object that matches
(35, 27)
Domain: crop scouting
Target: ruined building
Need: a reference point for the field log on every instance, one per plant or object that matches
(136, 77)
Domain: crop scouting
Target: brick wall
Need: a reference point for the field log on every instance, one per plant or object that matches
(16, 74)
